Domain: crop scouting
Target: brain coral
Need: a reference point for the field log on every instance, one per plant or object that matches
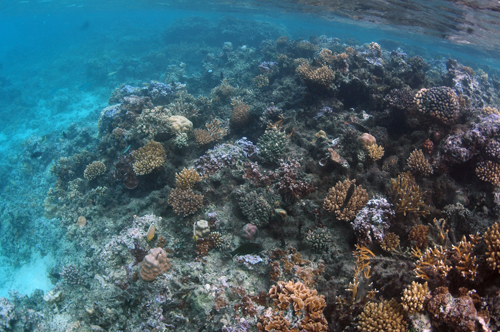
(178, 123)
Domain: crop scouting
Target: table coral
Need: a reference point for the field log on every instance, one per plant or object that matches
(344, 207)
(148, 158)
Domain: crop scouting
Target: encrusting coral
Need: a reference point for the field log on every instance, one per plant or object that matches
(414, 296)
(492, 240)
(345, 199)
(417, 163)
(381, 317)
(155, 263)
(94, 170)
(294, 307)
(148, 158)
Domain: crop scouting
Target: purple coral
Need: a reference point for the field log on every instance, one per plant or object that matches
(372, 221)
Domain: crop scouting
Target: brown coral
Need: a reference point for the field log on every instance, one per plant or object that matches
(492, 240)
(148, 158)
(94, 170)
(417, 163)
(489, 171)
(433, 262)
(462, 256)
(186, 178)
(345, 199)
(407, 196)
(185, 201)
(375, 152)
(381, 317)
(318, 77)
(294, 307)
(240, 115)
(418, 235)
(440, 103)
(202, 137)
(154, 263)
(414, 297)
(390, 242)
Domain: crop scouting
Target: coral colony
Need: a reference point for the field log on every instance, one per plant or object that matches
(317, 186)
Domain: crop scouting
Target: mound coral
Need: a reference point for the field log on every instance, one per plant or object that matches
(345, 199)
(155, 263)
(439, 103)
(148, 158)
(179, 124)
(94, 170)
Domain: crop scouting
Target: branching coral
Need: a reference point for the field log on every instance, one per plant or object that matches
(94, 170)
(316, 77)
(345, 199)
(148, 158)
(381, 317)
(294, 307)
(492, 240)
(375, 152)
(440, 103)
(418, 235)
(186, 178)
(390, 242)
(414, 296)
(215, 131)
(185, 201)
(407, 196)
(462, 256)
(489, 171)
(417, 163)
(433, 261)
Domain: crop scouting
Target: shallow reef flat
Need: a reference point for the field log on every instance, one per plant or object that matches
(289, 185)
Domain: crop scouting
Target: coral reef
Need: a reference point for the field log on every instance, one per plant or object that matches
(414, 296)
(492, 240)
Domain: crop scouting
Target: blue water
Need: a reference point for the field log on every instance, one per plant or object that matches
(47, 84)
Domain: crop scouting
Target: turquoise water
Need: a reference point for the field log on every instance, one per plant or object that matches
(61, 61)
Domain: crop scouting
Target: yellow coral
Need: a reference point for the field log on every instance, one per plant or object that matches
(407, 196)
(492, 240)
(339, 202)
(382, 317)
(186, 178)
(148, 158)
(94, 170)
(414, 296)
(375, 152)
(417, 163)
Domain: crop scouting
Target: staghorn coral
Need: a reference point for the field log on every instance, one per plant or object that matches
(440, 103)
(155, 263)
(316, 77)
(185, 201)
(433, 262)
(390, 242)
(294, 307)
(94, 170)
(418, 235)
(186, 178)
(375, 152)
(489, 171)
(407, 197)
(492, 240)
(417, 163)
(345, 199)
(462, 257)
(414, 296)
(381, 317)
(148, 158)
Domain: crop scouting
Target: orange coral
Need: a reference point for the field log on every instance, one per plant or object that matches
(186, 178)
